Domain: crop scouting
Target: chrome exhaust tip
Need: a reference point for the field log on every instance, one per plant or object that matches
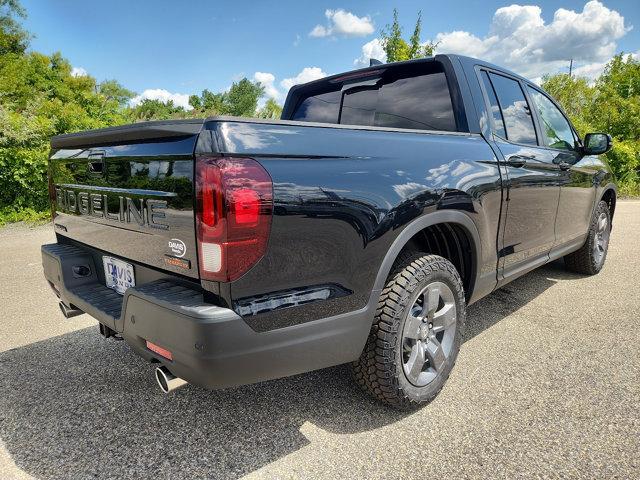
(68, 311)
(168, 381)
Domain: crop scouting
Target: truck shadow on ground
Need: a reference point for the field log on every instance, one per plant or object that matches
(77, 406)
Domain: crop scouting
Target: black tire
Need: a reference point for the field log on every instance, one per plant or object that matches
(381, 368)
(590, 259)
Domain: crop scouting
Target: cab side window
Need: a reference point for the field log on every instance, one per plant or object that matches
(556, 130)
(515, 110)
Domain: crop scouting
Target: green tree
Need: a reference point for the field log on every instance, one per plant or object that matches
(207, 103)
(242, 98)
(13, 38)
(150, 109)
(112, 90)
(398, 49)
(270, 110)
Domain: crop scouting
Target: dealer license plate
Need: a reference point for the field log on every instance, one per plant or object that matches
(118, 274)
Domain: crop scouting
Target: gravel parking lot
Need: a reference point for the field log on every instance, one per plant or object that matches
(547, 384)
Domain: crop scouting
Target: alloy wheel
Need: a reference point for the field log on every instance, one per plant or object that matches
(428, 333)
(601, 240)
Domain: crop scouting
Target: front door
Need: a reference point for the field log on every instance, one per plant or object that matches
(577, 187)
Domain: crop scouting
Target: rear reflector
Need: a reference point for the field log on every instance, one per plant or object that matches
(233, 217)
(163, 352)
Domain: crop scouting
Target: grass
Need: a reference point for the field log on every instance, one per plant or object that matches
(27, 215)
(629, 190)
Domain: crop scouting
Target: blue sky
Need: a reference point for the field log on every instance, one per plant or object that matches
(184, 47)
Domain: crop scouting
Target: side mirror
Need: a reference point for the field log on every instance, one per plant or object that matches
(597, 143)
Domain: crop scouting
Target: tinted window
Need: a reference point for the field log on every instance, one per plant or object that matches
(515, 110)
(319, 108)
(495, 107)
(359, 107)
(555, 127)
(421, 102)
(418, 102)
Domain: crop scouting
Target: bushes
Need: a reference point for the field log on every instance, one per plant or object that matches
(624, 159)
(23, 178)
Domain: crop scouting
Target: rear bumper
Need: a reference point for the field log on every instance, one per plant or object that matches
(211, 346)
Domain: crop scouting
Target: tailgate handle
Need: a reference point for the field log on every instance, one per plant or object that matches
(96, 162)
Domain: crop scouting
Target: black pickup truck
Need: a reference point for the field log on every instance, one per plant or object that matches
(356, 229)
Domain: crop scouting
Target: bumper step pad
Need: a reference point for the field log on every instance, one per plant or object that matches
(89, 293)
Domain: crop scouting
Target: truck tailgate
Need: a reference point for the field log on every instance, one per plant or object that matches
(129, 191)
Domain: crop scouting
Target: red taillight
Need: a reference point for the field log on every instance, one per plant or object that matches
(234, 204)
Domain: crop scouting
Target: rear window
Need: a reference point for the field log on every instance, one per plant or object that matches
(323, 108)
(399, 99)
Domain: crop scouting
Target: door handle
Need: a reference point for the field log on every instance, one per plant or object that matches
(564, 166)
(518, 161)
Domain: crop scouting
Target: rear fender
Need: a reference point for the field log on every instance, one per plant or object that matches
(419, 224)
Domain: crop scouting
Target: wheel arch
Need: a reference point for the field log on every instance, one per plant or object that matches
(417, 226)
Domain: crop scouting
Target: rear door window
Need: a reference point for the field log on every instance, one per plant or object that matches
(515, 110)
(398, 100)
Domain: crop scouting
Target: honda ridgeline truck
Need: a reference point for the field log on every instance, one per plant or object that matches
(355, 230)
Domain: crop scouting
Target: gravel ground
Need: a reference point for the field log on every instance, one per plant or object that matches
(547, 384)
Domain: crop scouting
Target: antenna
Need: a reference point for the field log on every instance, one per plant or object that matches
(374, 61)
(570, 67)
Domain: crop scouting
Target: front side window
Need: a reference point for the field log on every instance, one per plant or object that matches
(556, 130)
(515, 110)
(401, 99)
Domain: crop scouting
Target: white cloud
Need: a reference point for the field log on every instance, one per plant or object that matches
(267, 81)
(78, 72)
(590, 70)
(343, 23)
(372, 49)
(307, 74)
(520, 39)
(179, 99)
(594, 70)
(319, 31)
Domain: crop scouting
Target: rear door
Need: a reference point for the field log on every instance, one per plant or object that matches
(531, 179)
(129, 192)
